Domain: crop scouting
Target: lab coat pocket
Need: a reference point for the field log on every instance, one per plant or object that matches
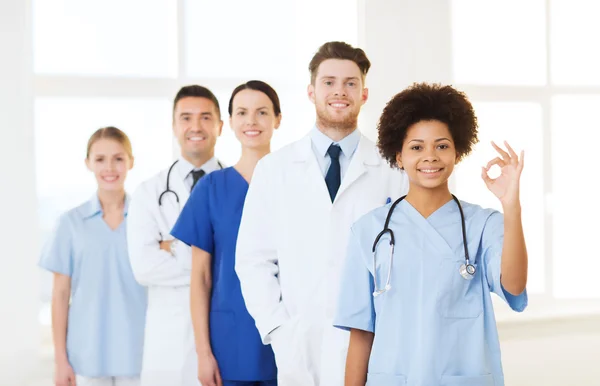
(284, 345)
(380, 379)
(458, 297)
(458, 380)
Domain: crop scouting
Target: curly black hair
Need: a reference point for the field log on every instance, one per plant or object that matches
(427, 102)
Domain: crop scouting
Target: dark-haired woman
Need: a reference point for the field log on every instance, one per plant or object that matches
(230, 351)
(421, 313)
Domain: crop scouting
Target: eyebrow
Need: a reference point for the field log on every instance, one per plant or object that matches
(244, 108)
(422, 141)
(335, 77)
(112, 155)
(204, 113)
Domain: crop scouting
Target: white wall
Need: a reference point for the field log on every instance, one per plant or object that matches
(406, 41)
(19, 305)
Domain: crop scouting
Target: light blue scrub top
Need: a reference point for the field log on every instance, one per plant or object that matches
(432, 327)
(107, 311)
(210, 220)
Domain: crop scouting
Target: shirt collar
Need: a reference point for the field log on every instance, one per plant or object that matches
(184, 167)
(322, 142)
(93, 206)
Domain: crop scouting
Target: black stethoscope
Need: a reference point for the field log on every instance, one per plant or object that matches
(168, 189)
(467, 270)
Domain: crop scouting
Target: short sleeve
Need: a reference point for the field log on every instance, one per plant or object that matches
(355, 308)
(57, 255)
(492, 239)
(194, 226)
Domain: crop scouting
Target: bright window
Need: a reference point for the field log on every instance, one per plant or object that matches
(575, 212)
(574, 31)
(133, 38)
(62, 129)
(529, 68)
(501, 43)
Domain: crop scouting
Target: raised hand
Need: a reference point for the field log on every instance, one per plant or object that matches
(506, 186)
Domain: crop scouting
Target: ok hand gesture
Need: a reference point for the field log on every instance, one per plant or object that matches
(505, 186)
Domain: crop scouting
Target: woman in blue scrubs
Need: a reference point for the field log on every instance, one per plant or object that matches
(420, 317)
(230, 351)
(98, 309)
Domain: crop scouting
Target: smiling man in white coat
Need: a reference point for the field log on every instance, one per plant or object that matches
(160, 262)
(296, 221)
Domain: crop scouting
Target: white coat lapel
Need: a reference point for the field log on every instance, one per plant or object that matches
(365, 156)
(306, 169)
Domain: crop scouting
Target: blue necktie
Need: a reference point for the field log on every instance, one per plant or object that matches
(333, 178)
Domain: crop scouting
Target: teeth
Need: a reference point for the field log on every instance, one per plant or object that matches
(197, 138)
(430, 170)
(252, 132)
(109, 179)
(339, 105)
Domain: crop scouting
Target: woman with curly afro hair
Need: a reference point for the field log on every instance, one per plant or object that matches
(421, 313)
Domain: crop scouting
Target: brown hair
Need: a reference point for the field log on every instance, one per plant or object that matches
(113, 133)
(339, 50)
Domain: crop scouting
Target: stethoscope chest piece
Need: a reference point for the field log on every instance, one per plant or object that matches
(467, 271)
(379, 292)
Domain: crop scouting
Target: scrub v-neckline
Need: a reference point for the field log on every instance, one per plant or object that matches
(111, 229)
(240, 176)
(436, 213)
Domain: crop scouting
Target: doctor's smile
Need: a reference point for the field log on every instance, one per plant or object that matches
(196, 138)
(339, 105)
(430, 171)
(110, 178)
(252, 133)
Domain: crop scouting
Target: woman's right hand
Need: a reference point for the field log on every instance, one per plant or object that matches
(208, 370)
(64, 375)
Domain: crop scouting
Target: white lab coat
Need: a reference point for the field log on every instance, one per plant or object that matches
(291, 228)
(169, 349)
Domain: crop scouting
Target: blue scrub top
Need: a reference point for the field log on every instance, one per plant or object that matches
(432, 327)
(210, 221)
(107, 314)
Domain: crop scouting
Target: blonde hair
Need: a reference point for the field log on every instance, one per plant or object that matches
(113, 133)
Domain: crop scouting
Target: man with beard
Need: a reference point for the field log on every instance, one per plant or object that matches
(296, 221)
(158, 261)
